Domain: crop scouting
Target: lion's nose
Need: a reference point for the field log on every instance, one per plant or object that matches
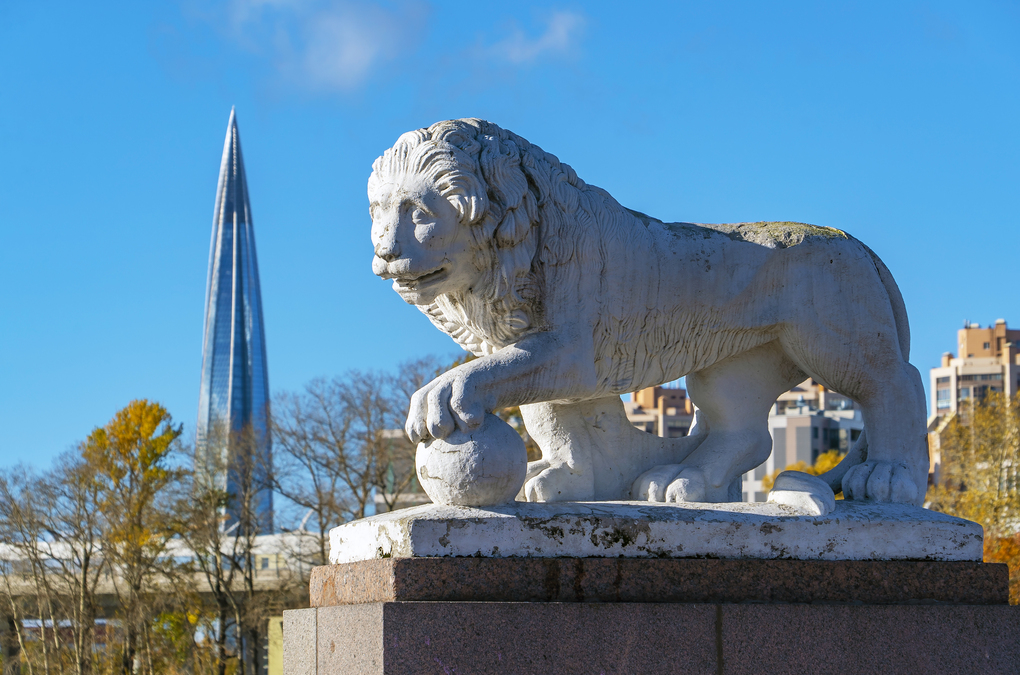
(388, 251)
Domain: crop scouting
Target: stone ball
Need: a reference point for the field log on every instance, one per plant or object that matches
(484, 467)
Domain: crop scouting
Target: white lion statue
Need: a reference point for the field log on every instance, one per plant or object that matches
(570, 300)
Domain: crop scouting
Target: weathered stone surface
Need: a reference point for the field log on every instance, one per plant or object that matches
(926, 640)
(658, 580)
(486, 465)
(481, 638)
(854, 531)
(299, 642)
(349, 641)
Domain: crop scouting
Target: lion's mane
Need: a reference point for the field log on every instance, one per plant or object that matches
(526, 210)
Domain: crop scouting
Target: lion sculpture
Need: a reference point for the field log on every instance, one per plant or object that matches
(569, 300)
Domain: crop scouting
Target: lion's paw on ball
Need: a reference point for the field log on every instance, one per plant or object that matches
(484, 467)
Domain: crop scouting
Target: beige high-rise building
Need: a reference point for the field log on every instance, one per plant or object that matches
(988, 361)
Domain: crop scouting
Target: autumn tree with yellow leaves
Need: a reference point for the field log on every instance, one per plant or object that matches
(130, 458)
(824, 462)
(979, 476)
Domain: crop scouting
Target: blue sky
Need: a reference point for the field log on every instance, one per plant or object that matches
(898, 122)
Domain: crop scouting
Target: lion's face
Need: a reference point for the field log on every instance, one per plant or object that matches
(420, 242)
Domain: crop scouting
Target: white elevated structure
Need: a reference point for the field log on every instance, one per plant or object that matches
(853, 531)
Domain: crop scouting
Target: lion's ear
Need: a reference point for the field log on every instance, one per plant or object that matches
(470, 207)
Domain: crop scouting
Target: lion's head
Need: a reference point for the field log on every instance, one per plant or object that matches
(455, 213)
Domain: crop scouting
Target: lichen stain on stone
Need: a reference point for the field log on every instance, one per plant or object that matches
(769, 528)
(554, 532)
(623, 535)
(444, 540)
(771, 234)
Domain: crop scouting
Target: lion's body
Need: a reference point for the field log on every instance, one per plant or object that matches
(737, 286)
(588, 300)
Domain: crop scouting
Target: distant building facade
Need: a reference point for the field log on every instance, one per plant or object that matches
(663, 411)
(987, 361)
(804, 422)
(234, 447)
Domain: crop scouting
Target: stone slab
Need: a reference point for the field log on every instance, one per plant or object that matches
(926, 640)
(299, 637)
(658, 580)
(424, 638)
(735, 530)
(350, 642)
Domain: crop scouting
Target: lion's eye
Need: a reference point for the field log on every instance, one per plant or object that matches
(420, 217)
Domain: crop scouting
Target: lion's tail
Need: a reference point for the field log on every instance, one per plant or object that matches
(859, 452)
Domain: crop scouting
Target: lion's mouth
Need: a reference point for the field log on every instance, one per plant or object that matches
(414, 283)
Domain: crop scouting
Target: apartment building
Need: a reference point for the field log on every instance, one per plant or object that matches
(987, 361)
(663, 410)
(804, 422)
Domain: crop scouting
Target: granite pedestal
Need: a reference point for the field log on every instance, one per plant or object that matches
(774, 609)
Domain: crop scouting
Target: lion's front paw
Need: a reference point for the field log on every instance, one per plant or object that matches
(559, 483)
(688, 486)
(444, 404)
(670, 483)
(880, 482)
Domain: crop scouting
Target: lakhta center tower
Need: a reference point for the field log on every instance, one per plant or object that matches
(234, 446)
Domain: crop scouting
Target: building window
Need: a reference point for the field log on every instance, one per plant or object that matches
(814, 432)
(943, 398)
(265, 563)
(676, 432)
(988, 345)
(942, 380)
(981, 378)
(964, 393)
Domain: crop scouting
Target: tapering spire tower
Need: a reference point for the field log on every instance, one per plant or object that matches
(233, 438)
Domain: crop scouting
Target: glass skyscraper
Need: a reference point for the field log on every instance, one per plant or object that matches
(234, 445)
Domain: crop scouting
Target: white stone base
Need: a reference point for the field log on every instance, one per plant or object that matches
(853, 531)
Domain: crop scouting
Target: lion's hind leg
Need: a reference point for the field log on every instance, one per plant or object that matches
(896, 469)
(873, 373)
(734, 396)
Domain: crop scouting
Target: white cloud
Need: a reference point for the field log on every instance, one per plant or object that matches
(562, 34)
(325, 44)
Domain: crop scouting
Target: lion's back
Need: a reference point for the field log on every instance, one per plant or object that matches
(770, 234)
